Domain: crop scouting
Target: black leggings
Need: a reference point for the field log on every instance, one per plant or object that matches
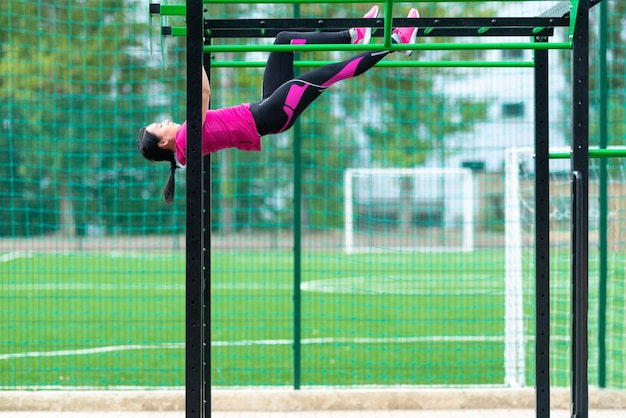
(286, 97)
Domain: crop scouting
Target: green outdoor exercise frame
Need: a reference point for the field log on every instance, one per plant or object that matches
(573, 14)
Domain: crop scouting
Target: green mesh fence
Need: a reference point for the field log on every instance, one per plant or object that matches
(405, 215)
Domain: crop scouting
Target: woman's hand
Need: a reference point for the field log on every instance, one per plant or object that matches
(206, 94)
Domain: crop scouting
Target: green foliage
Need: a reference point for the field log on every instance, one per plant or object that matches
(78, 81)
(73, 99)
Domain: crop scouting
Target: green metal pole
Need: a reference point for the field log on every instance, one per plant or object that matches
(172, 10)
(388, 23)
(297, 242)
(386, 45)
(393, 47)
(346, 1)
(593, 153)
(603, 203)
(403, 64)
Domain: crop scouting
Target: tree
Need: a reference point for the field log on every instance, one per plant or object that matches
(75, 95)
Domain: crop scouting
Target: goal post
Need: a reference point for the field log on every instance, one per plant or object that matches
(519, 203)
(514, 351)
(389, 209)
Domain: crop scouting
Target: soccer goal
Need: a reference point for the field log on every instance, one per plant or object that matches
(422, 209)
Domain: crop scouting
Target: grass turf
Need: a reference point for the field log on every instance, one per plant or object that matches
(84, 320)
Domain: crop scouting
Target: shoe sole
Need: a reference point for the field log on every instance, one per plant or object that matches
(413, 38)
(412, 41)
(367, 36)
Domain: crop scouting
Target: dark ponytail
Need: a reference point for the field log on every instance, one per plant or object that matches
(148, 146)
(168, 190)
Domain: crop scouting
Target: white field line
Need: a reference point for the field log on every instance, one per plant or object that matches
(44, 287)
(356, 285)
(14, 255)
(33, 287)
(247, 343)
(69, 387)
(256, 388)
(331, 286)
(359, 285)
(364, 340)
(90, 351)
(5, 258)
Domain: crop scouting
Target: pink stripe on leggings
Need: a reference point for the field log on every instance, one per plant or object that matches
(347, 72)
(293, 98)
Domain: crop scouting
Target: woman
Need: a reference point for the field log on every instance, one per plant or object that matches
(284, 99)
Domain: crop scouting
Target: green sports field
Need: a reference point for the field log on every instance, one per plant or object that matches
(388, 319)
(92, 265)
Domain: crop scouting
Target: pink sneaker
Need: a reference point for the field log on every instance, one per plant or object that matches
(406, 35)
(363, 35)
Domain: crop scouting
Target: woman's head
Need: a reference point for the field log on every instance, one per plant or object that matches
(157, 142)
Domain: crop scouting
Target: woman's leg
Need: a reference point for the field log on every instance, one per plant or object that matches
(279, 68)
(285, 99)
(278, 112)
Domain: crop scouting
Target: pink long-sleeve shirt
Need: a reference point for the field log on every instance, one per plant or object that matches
(230, 127)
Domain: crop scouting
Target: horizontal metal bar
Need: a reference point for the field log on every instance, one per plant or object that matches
(422, 22)
(470, 27)
(393, 47)
(593, 153)
(436, 32)
(155, 8)
(359, 2)
(429, 64)
(449, 22)
(290, 1)
(174, 31)
(168, 9)
(455, 27)
(179, 9)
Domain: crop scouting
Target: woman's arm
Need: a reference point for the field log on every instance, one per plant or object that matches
(206, 94)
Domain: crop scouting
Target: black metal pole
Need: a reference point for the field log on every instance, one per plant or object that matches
(603, 203)
(195, 394)
(542, 235)
(580, 221)
(579, 345)
(297, 242)
(207, 194)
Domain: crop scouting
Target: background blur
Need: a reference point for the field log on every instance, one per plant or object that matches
(396, 279)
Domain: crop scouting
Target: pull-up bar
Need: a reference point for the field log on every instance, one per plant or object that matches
(440, 27)
(475, 26)
(449, 27)
(404, 64)
(393, 47)
(367, 1)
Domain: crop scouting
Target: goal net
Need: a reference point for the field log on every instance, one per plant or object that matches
(421, 209)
